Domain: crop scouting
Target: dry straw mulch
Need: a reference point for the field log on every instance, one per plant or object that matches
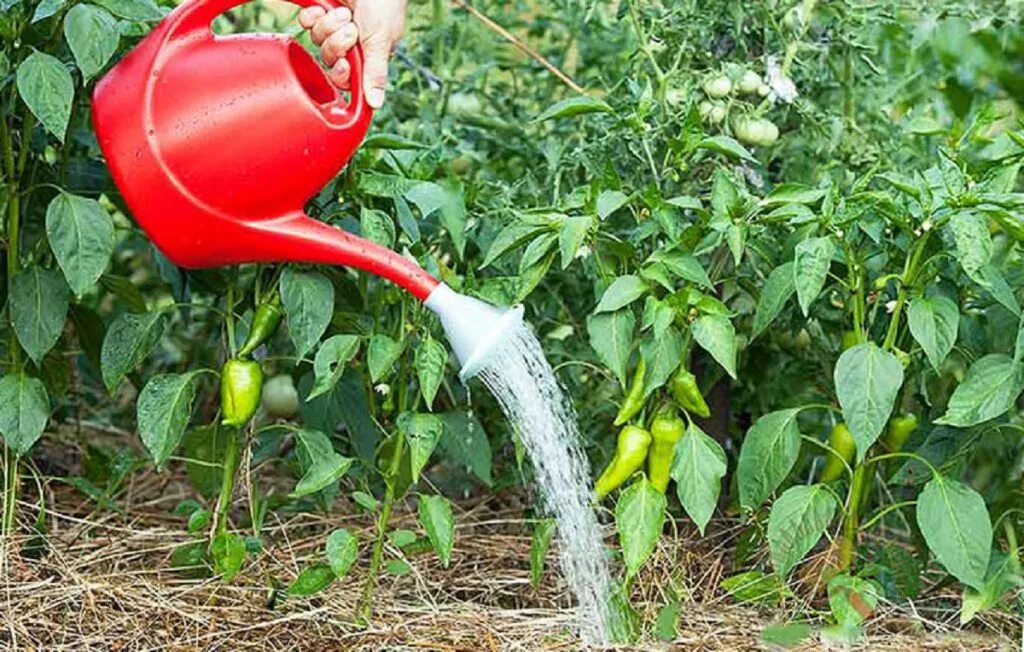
(105, 584)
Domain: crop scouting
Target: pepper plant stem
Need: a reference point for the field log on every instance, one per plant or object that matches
(227, 481)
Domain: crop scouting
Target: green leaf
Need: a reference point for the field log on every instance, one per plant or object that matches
(663, 354)
(698, 467)
(769, 452)
(777, 289)
(381, 354)
(623, 291)
(330, 361)
(810, 269)
(92, 35)
(610, 201)
(666, 622)
(973, 242)
(570, 238)
(312, 580)
(796, 522)
(24, 411)
(38, 304)
(639, 517)
(45, 9)
(955, 524)
(323, 466)
(341, 551)
(716, 335)
(543, 533)
(137, 10)
(228, 552)
(867, 382)
(611, 337)
(197, 520)
(391, 141)
(46, 87)
(852, 599)
(430, 361)
(308, 299)
(993, 280)
(793, 193)
(163, 412)
(785, 635)
(512, 236)
(429, 197)
(397, 567)
(933, 323)
(435, 514)
(727, 146)
(574, 106)
(127, 343)
(1002, 577)
(422, 431)
(989, 390)
(81, 235)
(377, 226)
(465, 442)
(756, 587)
(685, 266)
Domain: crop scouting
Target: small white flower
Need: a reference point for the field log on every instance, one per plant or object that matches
(583, 252)
(927, 226)
(382, 388)
(890, 306)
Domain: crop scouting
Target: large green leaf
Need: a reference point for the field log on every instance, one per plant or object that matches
(323, 466)
(81, 235)
(308, 299)
(611, 337)
(92, 35)
(698, 466)
(137, 10)
(955, 524)
(769, 452)
(377, 226)
(663, 354)
(574, 106)
(810, 269)
(342, 550)
(450, 205)
(436, 517)
(465, 441)
(989, 390)
(381, 354)
(973, 242)
(934, 322)
(39, 304)
(623, 291)
(312, 580)
(163, 412)
(422, 432)
(639, 517)
(778, 288)
(329, 363)
(128, 341)
(24, 410)
(46, 87)
(716, 335)
(867, 382)
(797, 521)
(571, 236)
(430, 361)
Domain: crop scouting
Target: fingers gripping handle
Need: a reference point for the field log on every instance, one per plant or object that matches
(196, 15)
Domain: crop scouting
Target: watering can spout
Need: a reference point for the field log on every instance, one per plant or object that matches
(475, 328)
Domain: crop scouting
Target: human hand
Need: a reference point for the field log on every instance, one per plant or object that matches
(377, 25)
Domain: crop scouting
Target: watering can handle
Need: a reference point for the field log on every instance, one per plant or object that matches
(196, 15)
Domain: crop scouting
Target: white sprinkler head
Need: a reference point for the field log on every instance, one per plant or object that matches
(474, 327)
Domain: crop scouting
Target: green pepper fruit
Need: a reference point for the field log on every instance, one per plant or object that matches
(630, 451)
(241, 382)
(687, 394)
(899, 431)
(634, 401)
(666, 429)
(841, 441)
(264, 323)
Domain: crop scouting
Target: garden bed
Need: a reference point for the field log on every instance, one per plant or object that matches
(106, 584)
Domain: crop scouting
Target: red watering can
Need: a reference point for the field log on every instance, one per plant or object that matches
(217, 143)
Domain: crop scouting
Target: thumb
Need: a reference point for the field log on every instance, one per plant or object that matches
(375, 70)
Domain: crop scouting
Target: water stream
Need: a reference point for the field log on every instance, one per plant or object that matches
(520, 377)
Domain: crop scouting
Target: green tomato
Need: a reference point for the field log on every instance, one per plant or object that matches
(745, 132)
(465, 105)
(763, 90)
(749, 82)
(676, 96)
(718, 87)
(280, 399)
(704, 109)
(717, 114)
(759, 131)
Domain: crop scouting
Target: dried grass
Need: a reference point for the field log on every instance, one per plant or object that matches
(105, 584)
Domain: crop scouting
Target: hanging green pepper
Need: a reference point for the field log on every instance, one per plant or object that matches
(241, 382)
(634, 401)
(264, 323)
(666, 429)
(899, 431)
(842, 442)
(687, 394)
(630, 452)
